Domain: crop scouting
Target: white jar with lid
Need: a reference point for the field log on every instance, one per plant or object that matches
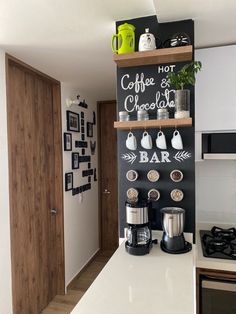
(142, 115)
(123, 116)
(162, 113)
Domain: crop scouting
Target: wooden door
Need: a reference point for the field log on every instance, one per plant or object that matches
(108, 175)
(35, 188)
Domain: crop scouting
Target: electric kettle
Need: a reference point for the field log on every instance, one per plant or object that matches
(147, 41)
(125, 39)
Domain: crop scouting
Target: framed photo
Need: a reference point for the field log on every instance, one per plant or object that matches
(75, 160)
(94, 118)
(89, 129)
(67, 141)
(68, 181)
(72, 121)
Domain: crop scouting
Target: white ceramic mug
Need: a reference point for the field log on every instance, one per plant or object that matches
(146, 141)
(161, 140)
(131, 142)
(176, 140)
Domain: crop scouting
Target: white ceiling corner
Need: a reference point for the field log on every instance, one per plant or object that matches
(68, 40)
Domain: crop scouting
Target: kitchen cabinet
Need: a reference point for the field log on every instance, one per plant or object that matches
(216, 291)
(215, 107)
(198, 146)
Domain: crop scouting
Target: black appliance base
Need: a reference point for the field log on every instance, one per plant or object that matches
(187, 248)
(138, 250)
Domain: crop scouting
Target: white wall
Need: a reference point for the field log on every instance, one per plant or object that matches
(216, 191)
(80, 218)
(215, 179)
(5, 257)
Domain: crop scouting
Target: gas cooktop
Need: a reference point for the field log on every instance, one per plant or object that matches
(219, 243)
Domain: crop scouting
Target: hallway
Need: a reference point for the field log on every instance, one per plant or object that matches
(64, 304)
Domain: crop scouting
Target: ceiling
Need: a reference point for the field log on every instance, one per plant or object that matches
(70, 40)
(215, 20)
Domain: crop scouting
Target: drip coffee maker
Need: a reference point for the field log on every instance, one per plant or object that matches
(138, 234)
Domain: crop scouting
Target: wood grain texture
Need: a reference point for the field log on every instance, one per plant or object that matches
(108, 175)
(29, 68)
(33, 180)
(151, 124)
(158, 56)
(58, 192)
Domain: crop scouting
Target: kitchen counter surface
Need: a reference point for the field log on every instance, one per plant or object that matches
(212, 263)
(155, 283)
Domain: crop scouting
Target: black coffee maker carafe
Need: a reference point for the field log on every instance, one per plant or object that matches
(138, 234)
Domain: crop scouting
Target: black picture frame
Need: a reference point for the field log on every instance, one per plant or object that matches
(89, 129)
(67, 142)
(69, 181)
(73, 123)
(94, 117)
(75, 160)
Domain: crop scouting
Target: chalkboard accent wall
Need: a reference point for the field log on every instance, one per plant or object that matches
(154, 95)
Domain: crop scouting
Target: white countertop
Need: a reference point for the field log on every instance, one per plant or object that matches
(212, 263)
(156, 283)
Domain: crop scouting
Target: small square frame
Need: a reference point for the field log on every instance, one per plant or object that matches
(67, 142)
(73, 123)
(75, 160)
(89, 129)
(69, 181)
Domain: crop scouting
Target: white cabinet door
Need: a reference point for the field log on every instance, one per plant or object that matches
(215, 93)
(198, 146)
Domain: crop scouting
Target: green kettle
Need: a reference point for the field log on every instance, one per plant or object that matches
(126, 39)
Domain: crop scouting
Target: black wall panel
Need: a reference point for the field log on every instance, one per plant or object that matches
(155, 94)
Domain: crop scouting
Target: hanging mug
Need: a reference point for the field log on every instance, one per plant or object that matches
(176, 140)
(131, 142)
(161, 140)
(146, 141)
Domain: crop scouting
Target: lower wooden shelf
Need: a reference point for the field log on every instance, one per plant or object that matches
(150, 124)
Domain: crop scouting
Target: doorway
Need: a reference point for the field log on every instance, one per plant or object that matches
(35, 183)
(108, 187)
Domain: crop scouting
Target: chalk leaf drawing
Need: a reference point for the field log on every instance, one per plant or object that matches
(182, 155)
(129, 157)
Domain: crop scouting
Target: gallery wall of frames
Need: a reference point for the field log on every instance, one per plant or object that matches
(80, 148)
(157, 164)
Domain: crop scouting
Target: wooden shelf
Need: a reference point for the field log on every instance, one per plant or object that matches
(158, 56)
(150, 124)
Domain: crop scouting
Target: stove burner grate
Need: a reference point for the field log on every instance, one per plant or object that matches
(227, 234)
(219, 243)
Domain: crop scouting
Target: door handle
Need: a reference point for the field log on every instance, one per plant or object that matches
(106, 192)
(53, 211)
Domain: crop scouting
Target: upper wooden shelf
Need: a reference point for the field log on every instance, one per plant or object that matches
(158, 56)
(150, 124)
